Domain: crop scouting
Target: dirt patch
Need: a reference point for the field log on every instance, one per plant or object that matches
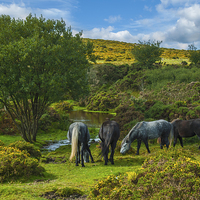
(53, 195)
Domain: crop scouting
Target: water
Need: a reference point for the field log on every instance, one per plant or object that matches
(91, 119)
(55, 145)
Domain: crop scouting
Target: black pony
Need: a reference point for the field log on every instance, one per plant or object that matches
(143, 131)
(78, 135)
(109, 134)
(185, 128)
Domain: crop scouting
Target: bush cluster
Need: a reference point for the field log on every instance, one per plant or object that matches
(17, 164)
(171, 174)
(103, 101)
(27, 147)
(7, 127)
(63, 106)
(54, 119)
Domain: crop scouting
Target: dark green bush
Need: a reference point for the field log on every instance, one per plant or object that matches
(158, 111)
(54, 119)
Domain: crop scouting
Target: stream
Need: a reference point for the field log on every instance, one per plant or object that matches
(91, 119)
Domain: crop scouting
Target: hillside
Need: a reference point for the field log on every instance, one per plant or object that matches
(115, 52)
(118, 84)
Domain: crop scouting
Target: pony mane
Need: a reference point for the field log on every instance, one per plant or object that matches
(138, 125)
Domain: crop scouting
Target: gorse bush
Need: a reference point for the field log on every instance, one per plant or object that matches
(168, 174)
(27, 147)
(17, 164)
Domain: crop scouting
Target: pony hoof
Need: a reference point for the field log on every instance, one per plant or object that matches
(92, 161)
(83, 166)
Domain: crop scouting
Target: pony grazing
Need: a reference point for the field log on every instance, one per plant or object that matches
(109, 134)
(185, 128)
(78, 135)
(143, 131)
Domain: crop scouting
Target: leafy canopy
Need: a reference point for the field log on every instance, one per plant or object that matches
(194, 54)
(40, 62)
(147, 53)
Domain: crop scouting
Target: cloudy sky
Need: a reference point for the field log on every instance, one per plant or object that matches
(175, 22)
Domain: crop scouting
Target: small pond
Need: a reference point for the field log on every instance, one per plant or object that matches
(91, 119)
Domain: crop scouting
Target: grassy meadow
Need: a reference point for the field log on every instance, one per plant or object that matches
(132, 95)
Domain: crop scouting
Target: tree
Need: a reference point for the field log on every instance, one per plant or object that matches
(147, 53)
(194, 54)
(40, 62)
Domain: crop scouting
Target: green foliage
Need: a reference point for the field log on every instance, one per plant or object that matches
(103, 101)
(17, 164)
(63, 106)
(7, 127)
(157, 111)
(147, 53)
(27, 147)
(40, 62)
(170, 173)
(1, 143)
(53, 118)
(157, 78)
(194, 55)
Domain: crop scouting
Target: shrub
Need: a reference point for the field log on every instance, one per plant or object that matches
(167, 174)
(7, 127)
(63, 106)
(52, 117)
(103, 101)
(16, 164)
(1, 143)
(33, 151)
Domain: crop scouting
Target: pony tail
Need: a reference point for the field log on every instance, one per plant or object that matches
(171, 135)
(74, 142)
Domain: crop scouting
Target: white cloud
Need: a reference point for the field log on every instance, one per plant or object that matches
(14, 10)
(22, 11)
(113, 19)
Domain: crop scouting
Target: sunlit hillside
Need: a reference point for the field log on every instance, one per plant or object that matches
(109, 51)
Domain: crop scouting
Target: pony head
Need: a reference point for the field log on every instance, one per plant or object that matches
(86, 156)
(125, 146)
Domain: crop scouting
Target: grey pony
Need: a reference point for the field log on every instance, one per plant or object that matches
(82, 138)
(143, 131)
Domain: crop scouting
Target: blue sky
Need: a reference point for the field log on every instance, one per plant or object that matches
(175, 22)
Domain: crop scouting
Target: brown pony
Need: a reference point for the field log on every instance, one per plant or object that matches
(185, 128)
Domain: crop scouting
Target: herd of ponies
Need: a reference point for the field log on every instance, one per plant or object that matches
(78, 135)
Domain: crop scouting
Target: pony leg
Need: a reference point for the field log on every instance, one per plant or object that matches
(161, 143)
(77, 158)
(175, 140)
(181, 140)
(88, 149)
(138, 146)
(82, 160)
(113, 145)
(106, 156)
(78, 153)
(147, 145)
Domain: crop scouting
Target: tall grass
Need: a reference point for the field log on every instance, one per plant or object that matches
(158, 78)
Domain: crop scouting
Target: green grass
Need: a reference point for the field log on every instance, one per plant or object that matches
(65, 174)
